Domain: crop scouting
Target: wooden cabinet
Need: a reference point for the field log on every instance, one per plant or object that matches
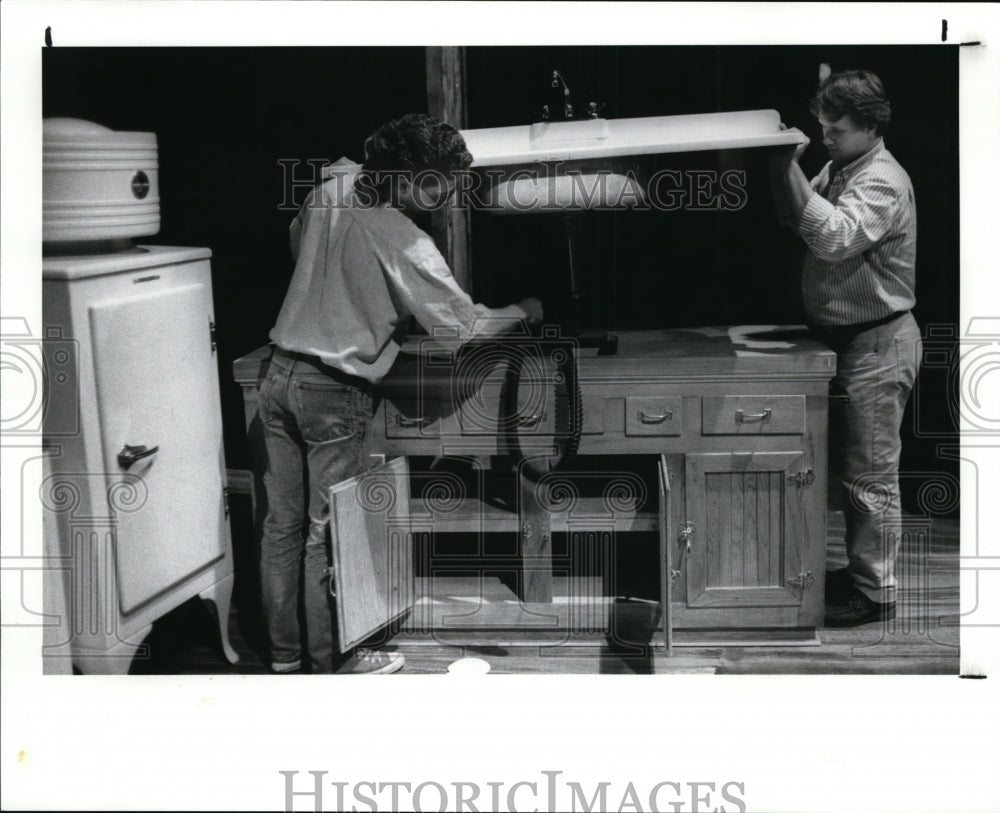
(735, 420)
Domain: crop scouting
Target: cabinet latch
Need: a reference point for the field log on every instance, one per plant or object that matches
(803, 478)
(802, 581)
(211, 334)
(684, 537)
(687, 531)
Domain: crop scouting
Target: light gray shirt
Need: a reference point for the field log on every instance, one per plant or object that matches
(360, 272)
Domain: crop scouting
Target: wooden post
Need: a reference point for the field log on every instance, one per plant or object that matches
(535, 533)
(446, 100)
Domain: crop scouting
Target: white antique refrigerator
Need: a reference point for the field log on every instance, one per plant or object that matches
(134, 492)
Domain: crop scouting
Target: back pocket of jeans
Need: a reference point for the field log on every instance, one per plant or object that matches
(908, 355)
(325, 411)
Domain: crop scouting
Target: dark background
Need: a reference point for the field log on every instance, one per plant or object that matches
(225, 117)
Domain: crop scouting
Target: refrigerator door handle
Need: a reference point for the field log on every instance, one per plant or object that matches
(130, 454)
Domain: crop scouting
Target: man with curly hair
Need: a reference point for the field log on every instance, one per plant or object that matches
(858, 219)
(362, 268)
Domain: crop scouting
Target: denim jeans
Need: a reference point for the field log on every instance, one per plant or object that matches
(316, 432)
(876, 370)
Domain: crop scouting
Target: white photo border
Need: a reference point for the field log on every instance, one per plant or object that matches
(831, 743)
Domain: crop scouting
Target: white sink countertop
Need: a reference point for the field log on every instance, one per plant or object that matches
(603, 138)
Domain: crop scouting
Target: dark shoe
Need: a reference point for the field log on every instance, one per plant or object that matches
(859, 610)
(372, 662)
(839, 585)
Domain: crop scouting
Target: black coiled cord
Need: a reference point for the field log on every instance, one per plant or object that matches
(568, 411)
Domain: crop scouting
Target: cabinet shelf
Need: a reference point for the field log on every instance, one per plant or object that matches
(473, 516)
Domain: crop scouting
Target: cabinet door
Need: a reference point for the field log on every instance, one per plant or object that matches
(157, 386)
(372, 555)
(746, 531)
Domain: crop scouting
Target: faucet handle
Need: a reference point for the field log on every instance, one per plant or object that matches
(558, 80)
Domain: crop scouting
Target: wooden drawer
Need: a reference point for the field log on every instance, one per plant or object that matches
(753, 415)
(537, 409)
(479, 413)
(412, 418)
(551, 416)
(653, 415)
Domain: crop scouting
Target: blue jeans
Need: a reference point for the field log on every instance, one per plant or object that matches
(876, 369)
(316, 426)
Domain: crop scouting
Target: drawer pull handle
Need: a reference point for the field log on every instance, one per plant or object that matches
(752, 417)
(420, 421)
(647, 417)
(531, 420)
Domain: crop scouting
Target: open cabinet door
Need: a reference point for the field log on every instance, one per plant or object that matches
(666, 554)
(372, 554)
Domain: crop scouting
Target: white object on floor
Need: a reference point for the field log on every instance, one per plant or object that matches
(469, 666)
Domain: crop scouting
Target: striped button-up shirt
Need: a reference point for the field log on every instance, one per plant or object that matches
(861, 230)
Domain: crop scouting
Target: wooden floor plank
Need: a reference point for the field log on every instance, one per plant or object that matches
(924, 639)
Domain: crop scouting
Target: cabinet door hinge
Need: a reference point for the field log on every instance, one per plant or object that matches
(803, 478)
(802, 581)
(211, 334)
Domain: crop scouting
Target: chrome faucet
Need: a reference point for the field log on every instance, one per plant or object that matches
(557, 80)
(564, 100)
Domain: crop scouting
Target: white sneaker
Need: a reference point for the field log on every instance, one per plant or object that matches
(372, 662)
